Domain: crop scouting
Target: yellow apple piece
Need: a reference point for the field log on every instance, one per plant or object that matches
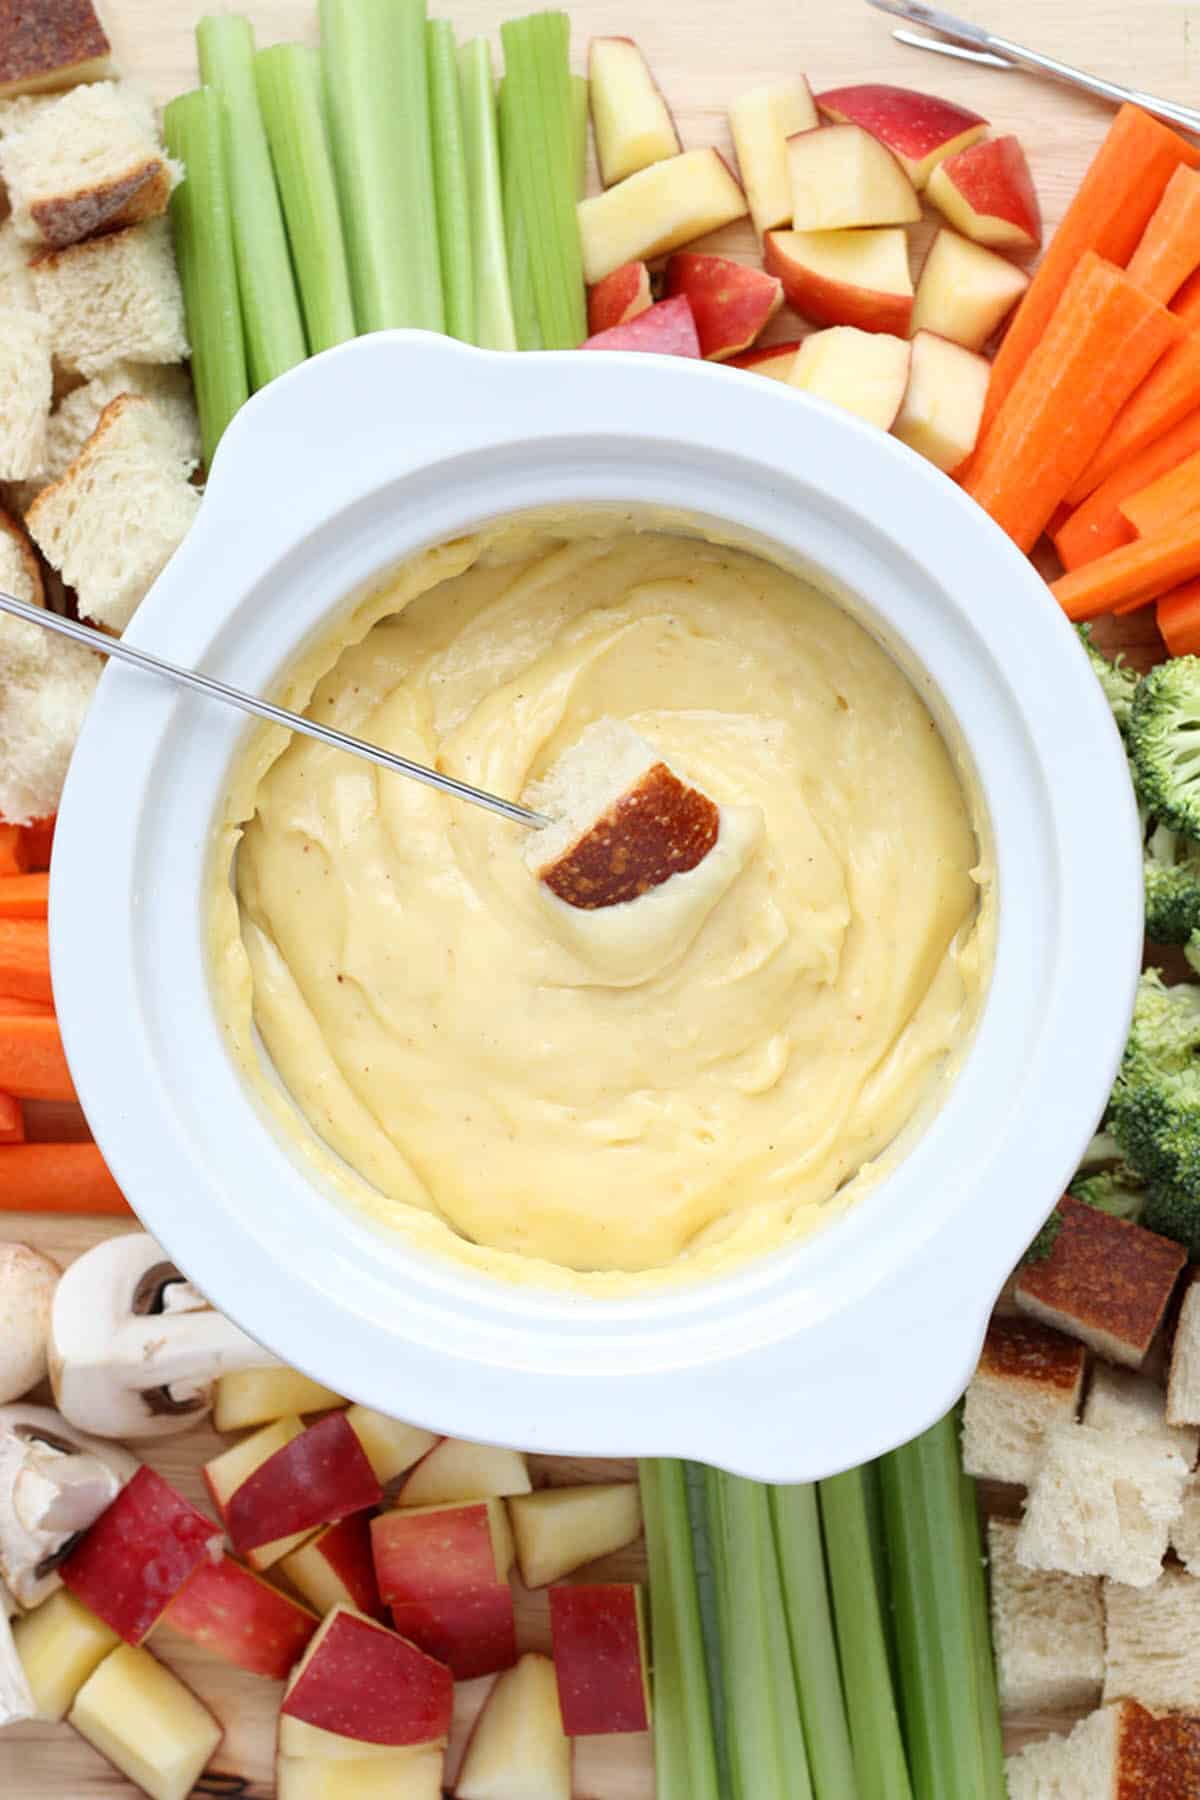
(139, 1715)
(657, 210)
(298, 1741)
(943, 406)
(632, 121)
(391, 1446)
(762, 121)
(259, 1396)
(772, 360)
(920, 130)
(224, 1474)
(60, 1643)
(965, 291)
(845, 277)
(560, 1529)
(395, 1775)
(518, 1749)
(864, 372)
(841, 176)
(456, 1470)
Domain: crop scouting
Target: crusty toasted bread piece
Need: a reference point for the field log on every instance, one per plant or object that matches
(1121, 1752)
(1153, 1637)
(1102, 1505)
(50, 44)
(92, 162)
(1047, 1631)
(26, 387)
(113, 299)
(1029, 1379)
(1105, 1281)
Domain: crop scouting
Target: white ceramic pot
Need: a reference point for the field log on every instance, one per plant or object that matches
(811, 1359)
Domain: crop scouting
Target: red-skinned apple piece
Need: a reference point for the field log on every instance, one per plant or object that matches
(987, 192)
(518, 1749)
(667, 329)
(965, 290)
(631, 120)
(600, 1657)
(336, 1568)
(620, 297)
(761, 122)
(772, 360)
(360, 1680)
(863, 372)
(731, 303)
(234, 1613)
(843, 177)
(318, 1478)
(224, 1474)
(845, 277)
(474, 1633)
(920, 130)
(444, 1572)
(943, 405)
(132, 1562)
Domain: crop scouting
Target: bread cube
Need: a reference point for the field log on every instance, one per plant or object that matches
(1102, 1505)
(1154, 1642)
(16, 283)
(1131, 1405)
(26, 388)
(77, 416)
(50, 45)
(1105, 1281)
(41, 715)
(113, 299)
(1029, 1379)
(24, 649)
(90, 163)
(1047, 1631)
(1185, 1532)
(1117, 1753)
(1183, 1380)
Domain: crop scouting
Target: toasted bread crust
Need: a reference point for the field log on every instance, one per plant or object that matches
(1105, 1280)
(1157, 1758)
(50, 38)
(28, 555)
(142, 193)
(659, 828)
(1024, 1350)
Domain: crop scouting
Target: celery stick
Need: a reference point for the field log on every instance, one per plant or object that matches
(374, 58)
(450, 181)
(542, 145)
(275, 340)
(947, 1684)
(203, 233)
(494, 326)
(814, 1651)
(685, 1763)
(579, 115)
(524, 306)
(293, 110)
(879, 1760)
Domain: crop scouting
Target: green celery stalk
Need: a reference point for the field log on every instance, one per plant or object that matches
(450, 181)
(947, 1679)
(797, 1524)
(524, 304)
(494, 325)
(275, 340)
(542, 144)
(579, 117)
(684, 1756)
(203, 233)
(293, 109)
(374, 60)
(879, 1761)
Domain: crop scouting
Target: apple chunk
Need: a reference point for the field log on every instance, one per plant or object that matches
(845, 277)
(131, 1563)
(599, 1638)
(151, 1727)
(842, 176)
(224, 1474)
(762, 121)
(457, 1470)
(335, 1568)
(657, 210)
(965, 290)
(668, 329)
(988, 193)
(235, 1614)
(400, 1775)
(391, 1446)
(864, 372)
(298, 1742)
(314, 1479)
(360, 1680)
(560, 1529)
(620, 297)
(772, 360)
(943, 405)
(443, 1570)
(920, 130)
(59, 1644)
(632, 122)
(518, 1749)
(731, 303)
(258, 1396)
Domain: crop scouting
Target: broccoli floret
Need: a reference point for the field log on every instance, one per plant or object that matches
(1154, 1114)
(1044, 1242)
(1116, 678)
(1171, 866)
(1163, 738)
(1174, 1213)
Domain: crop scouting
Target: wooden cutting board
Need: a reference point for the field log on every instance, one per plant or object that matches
(703, 54)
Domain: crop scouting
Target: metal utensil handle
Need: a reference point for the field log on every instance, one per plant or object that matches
(212, 689)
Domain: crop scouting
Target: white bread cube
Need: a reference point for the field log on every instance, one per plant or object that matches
(76, 417)
(26, 389)
(90, 163)
(113, 521)
(1183, 1380)
(1102, 1505)
(21, 110)
(1154, 1642)
(41, 716)
(1131, 1405)
(1047, 1631)
(24, 649)
(50, 44)
(16, 283)
(113, 299)
(1029, 1380)
(1185, 1532)
(1117, 1753)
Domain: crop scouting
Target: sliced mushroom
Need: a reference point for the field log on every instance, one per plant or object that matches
(134, 1349)
(27, 1283)
(54, 1482)
(16, 1700)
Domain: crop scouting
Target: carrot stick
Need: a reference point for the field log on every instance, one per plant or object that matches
(1152, 510)
(39, 841)
(12, 1120)
(1169, 251)
(25, 958)
(13, 855)
(13, 1008)
(25, 896)
(1179, 619)
(1170, 391)
(1098, 526)
(60, 1178)
(1110, 211)
(1186, 304)
(1137, 572)
(33, 1064)
(1103, 339)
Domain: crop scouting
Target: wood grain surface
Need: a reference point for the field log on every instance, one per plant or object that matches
(703, 54)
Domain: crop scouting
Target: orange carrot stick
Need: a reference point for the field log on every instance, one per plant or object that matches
(1179, 619)
(25, 958)
(13, 1008)
(1153, 509)
(1098, 526)
(33, 1064)
(1170, 391)
(59, 1178)
(1137, 572)
(1186, 304)
(25, 896)
(1110, 211)
(13, 853)
(1169, 250)
(39, 841)
(12, 1120)
(1103, 339)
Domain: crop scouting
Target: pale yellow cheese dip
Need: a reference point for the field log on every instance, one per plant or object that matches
(540, 1091)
